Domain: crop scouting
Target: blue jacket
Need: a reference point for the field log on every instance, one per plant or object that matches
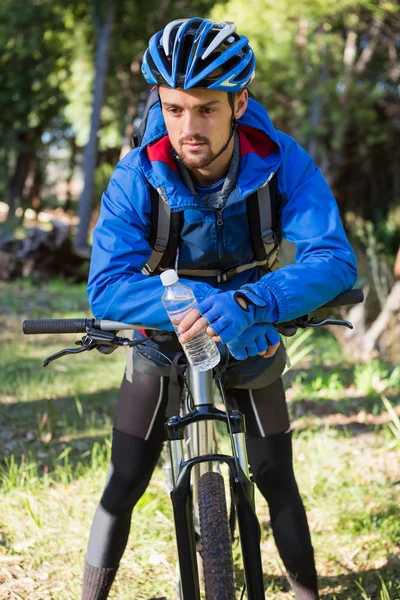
(325, 263)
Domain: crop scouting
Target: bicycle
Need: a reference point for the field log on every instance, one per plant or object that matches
(202, 523)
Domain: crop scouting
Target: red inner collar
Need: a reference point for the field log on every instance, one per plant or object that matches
(251, 140)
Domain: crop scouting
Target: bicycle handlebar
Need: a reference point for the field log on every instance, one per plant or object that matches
(33, 326)
(37, 326)
(344, 299)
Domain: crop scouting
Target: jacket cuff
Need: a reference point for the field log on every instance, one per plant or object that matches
(265, 305)
(209, 292)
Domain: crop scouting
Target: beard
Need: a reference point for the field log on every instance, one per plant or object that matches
(196, 160)
(191, 161)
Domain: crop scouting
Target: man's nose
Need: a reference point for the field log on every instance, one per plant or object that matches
(190, 125)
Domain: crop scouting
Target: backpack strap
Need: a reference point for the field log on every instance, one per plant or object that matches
(165, 233)
(152, 99)
(263, 217)
(262, 214)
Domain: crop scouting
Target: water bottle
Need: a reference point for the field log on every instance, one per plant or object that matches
(178, 299)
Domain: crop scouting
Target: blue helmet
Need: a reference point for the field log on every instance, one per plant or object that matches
(198, 53)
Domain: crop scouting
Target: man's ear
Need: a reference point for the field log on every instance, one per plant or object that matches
(242, 101)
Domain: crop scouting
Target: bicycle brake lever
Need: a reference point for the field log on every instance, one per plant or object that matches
(102, 340)
(341, 322)
(65, 352)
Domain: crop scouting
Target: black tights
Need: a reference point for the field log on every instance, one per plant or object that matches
(138, 437)
(137, 441)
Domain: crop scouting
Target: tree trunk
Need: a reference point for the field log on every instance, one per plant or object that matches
(18, 179)
(71, 166)
(31, 198)
(383, 321)
(366, 342)
(90, 155)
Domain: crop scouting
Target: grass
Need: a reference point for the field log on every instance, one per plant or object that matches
(55, 428)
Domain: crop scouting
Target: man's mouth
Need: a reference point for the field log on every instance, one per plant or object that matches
(194, 145)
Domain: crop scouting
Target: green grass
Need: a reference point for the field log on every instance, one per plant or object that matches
(55, 431)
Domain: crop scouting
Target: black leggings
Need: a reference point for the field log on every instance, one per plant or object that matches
(137, 442)
(143, 400)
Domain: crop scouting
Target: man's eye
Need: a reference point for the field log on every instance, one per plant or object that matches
(207, 111)
(174, 111)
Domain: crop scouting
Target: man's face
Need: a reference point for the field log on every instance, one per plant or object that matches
(198, 122)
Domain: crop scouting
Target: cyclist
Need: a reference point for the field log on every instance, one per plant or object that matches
(206, 147)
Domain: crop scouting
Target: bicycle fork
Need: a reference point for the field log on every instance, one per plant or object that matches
(185, 474)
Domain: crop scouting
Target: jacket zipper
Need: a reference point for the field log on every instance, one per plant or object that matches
(220, 222)
(220, 241)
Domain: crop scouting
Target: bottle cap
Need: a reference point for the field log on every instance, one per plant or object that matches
(169, 277)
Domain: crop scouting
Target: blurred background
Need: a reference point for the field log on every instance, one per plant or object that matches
(71, 96)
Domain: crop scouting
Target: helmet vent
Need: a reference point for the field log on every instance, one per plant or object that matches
(221, 37)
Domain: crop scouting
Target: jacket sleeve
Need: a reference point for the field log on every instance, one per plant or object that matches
(325, 263)
(117, 289)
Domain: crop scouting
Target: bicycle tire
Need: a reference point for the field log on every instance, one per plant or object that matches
(215, 534)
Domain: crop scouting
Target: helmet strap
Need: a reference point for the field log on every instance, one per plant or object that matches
(234, 125)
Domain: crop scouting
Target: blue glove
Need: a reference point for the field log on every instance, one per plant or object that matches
(254, 340)
(265, 307)
(225, 315)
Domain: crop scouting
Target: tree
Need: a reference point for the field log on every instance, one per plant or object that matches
(103, 17)
(327, 71)
(33, 65)
(135, 22)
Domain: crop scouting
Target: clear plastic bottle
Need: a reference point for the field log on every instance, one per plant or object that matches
(178, 299)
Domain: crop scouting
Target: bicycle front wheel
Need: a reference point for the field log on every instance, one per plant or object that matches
(216, 545)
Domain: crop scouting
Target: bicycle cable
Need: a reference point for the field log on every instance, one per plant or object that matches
(219, 372)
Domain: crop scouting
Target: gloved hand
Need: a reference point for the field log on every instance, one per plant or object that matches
(226, 316)
(255, 339)
(265, 307)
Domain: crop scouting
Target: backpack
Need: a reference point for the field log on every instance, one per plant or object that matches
(263, 214)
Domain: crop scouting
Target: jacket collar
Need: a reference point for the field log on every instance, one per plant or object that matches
(259, 147)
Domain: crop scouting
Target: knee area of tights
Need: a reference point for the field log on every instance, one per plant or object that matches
(272, 453)
(275, 479)
(122, 495)
(126, 478)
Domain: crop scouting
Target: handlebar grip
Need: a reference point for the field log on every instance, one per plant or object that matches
(349, 297)
(56, 326)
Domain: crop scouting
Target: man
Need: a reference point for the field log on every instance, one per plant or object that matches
(207, 147)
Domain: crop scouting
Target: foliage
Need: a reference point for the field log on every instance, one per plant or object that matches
(34, 65)
(297, 348)
(327, 72)
(103, 174)
(394, 425)
(77, 88)
(374, 377)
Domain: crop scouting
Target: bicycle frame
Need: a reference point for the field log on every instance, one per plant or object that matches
(185, 475)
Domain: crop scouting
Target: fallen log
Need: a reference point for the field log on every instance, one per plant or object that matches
(42, 254)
